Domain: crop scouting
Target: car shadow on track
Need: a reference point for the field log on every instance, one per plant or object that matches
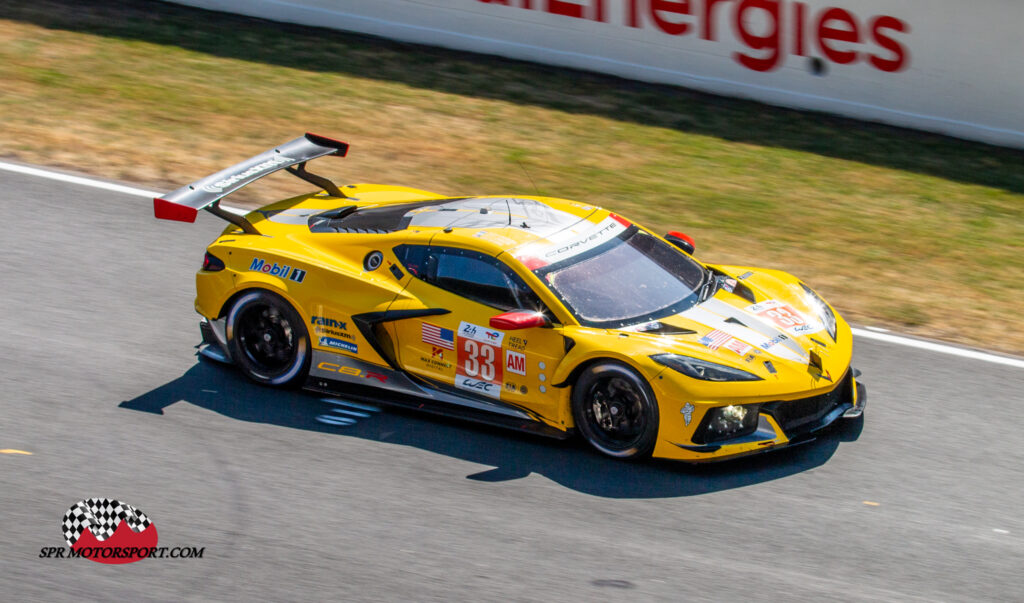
(512, 455)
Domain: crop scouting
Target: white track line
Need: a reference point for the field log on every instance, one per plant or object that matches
(865, 333)
(942, 348)
(117, 188)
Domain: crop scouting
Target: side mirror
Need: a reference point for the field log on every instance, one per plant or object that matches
(519, 319)
(682, 241)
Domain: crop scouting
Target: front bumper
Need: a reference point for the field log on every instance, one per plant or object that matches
(780, 424)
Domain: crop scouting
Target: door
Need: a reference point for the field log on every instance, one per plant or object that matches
(459, 348)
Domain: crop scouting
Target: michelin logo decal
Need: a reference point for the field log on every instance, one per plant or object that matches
(340, 344)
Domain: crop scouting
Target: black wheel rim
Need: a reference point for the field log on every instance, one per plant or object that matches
(615, 411)
(267, 338)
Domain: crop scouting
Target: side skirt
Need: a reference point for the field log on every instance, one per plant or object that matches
(354, 379)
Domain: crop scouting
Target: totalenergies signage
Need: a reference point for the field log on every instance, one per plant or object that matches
(768, 29)
(936, 65)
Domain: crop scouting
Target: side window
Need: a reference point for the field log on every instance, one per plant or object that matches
(469, 274)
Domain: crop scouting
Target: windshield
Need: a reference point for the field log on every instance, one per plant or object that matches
(633, 278)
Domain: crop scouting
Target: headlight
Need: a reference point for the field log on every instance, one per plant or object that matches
(726, 423)
(824, 312)
(702, 369)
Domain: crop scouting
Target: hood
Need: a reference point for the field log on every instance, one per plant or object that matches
(762, 322)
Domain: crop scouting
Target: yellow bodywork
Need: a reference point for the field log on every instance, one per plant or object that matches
(538, 366)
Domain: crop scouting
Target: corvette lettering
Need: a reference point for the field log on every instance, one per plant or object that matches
(269, 164)
(609, 227)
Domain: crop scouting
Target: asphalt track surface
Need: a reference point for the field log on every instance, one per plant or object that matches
(102, 385)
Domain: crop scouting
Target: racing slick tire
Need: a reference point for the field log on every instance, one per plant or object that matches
(615, 410)
(268, 339)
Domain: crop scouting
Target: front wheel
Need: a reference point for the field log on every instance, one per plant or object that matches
(268, 339)
(616, 411)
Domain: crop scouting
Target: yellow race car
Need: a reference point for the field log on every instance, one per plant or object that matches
(540, 314)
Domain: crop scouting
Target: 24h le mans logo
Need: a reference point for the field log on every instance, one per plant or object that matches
(109, 531)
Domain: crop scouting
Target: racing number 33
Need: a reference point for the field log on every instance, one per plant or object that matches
(784, 316)
(479, 360)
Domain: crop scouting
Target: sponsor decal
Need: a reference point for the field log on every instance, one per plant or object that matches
(729, 284)
(774, 341)
(109, 531)
(351, 371)
(437, 336)
(339, 344)
(516, 343)
(322, 321)
(687, 412)
(515, 362)
(436, 352)
(283, 271)
(469, 330)
(436, 363)
(512, 388)
(270, 164)
(479, 365)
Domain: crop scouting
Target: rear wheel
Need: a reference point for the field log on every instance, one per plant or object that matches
(616, 411)
(268, 339)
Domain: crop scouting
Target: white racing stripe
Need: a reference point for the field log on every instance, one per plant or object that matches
(858, 332)
(117, 188)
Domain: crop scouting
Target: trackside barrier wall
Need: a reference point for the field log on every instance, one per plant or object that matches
(941, 65)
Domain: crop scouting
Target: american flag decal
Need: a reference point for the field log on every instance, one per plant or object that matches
(715, 339)
(435, 335)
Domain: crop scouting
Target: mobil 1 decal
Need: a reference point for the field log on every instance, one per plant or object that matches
(785, 317)
(480, 362)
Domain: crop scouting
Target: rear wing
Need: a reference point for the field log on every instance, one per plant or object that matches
(184, 204)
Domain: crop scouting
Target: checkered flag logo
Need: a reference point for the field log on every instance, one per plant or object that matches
(101, 516)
